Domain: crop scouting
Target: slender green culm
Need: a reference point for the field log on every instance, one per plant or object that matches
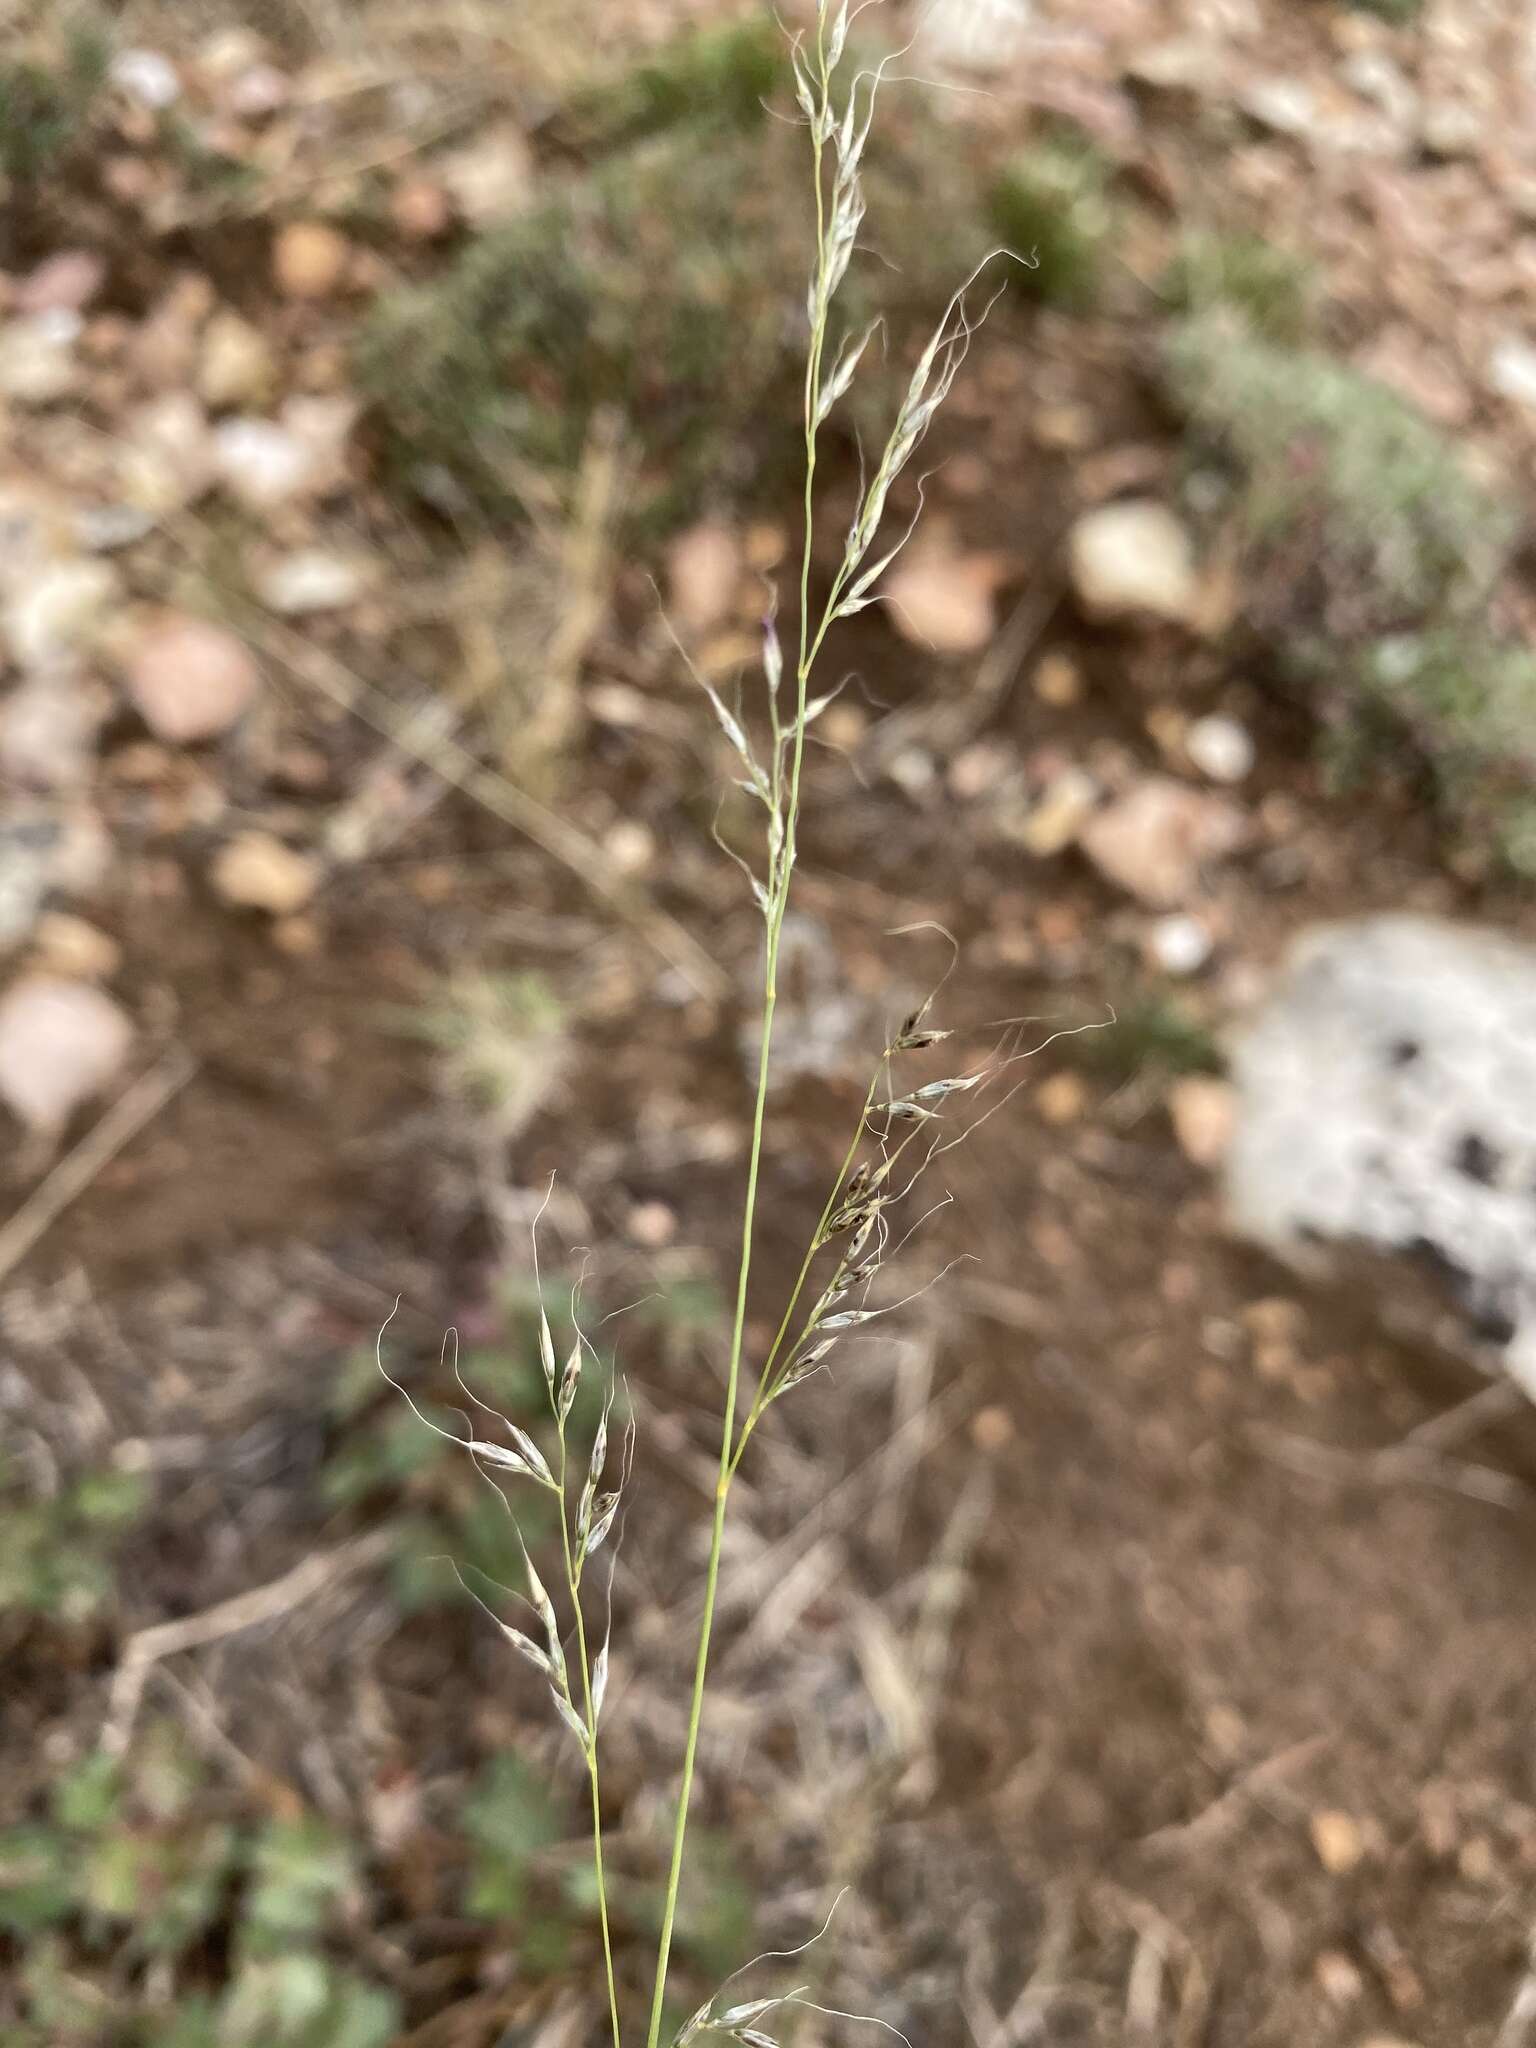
(839, 126)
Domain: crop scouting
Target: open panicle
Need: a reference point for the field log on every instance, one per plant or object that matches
(899, 1131)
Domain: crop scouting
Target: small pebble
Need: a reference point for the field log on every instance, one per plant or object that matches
(69, 946)
(992, 1430)
(1220, 748)
(1058, 680)
(1132, 557)
(1203, 1112)
(1062, 1099)
(420, 210)
(312, 580)
(148, 77)
(651, 1224)
(189, 679)
(309, 260)
(258, 872)
(1338, 1841)
(61, 1042)
(1179, 944)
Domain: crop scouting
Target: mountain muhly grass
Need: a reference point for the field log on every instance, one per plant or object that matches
(899, 1132)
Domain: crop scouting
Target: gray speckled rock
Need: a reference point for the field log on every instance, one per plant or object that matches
(1386, 1095)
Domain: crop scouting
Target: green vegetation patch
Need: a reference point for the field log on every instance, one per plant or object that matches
(663, 277)
(1370, 553)
(1272, 290)
(1051, 205)
(46, 106)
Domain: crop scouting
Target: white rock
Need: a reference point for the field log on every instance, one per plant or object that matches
(1133, 557)
(1154, 840)
(148, 77)
(258, 872)
(259, 463)
(48, 725)
(190, 680)
(1387, 1096)
(1286, 106)
(491, 178)
(167, 454)
(61, 1042)
(1512, 370)
(102, 529)
(56, 611)
(257, 92)
(1179, 944)
(1378, 78)
(1451, 129)
(265, 463)
(982, 36)
(37, 357)
(1220, 748)
(313, 580)
(1188, 66)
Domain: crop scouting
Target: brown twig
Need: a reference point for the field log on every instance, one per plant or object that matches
(138, 1105)
(457, 765)
(1213, 1823)
(146, 1646)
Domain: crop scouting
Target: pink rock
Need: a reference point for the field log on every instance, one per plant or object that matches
(1153, 841)
(48, 725)
(704, 566)
(190, 680)
(61, 1042)
(65, 283)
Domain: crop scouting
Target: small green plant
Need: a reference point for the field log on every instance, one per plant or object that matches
(1271, 290)
(1467, 701)
(56, 1553)
(1399, 12)
(133, 1865)
(664, 283)
(902, 1126)
(1152, 1033)
(715, 78)
(1371, 553)
(1053, 202)
(45, 106)
(501, 1044)
(1333, 460)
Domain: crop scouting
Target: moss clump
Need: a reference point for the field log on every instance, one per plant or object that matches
(1271, 290)
(1052, 204)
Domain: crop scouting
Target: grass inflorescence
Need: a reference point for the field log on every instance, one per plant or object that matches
(910, 1115)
